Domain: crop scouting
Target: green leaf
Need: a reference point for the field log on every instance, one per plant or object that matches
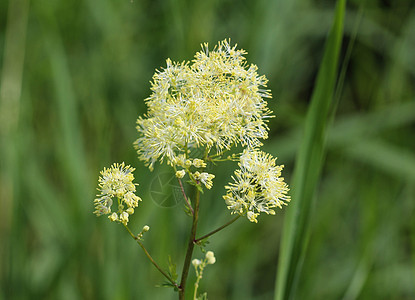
(202, 244)
(187, 211)
(172, 270)
(202, 297)
(168, 285)
(197, 185)
(309, 162)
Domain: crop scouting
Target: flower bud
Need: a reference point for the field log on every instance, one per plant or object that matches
(196, 262)
(113, 217)
(180, 174)
(210, 256)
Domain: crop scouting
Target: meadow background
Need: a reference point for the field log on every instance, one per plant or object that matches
(74, 75)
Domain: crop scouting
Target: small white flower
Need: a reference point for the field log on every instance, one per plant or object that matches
(180, 174)
(199, 163)
(124, 217)
(205, 178)
(252, 216)
(113, 217)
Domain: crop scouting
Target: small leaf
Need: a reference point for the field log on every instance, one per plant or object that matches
(186, 209)
(168, 285)
(202, 297)
(202, 244)
(172, 270)
(197, 185)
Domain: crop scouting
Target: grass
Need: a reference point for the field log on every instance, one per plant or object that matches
(308, 166)
(82, 78)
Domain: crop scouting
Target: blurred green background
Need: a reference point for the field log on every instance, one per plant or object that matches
(73, 78)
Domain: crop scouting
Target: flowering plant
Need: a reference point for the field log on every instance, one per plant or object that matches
(212, 104)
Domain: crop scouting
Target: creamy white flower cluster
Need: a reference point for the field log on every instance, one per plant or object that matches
(199, 266)
(210, 259)
(216, 101)
(116, 183)
(257, 186)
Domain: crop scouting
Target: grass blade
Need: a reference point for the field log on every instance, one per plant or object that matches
(308, 164)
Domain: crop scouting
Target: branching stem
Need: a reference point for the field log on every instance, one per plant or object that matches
(151, 259)
(217, 229)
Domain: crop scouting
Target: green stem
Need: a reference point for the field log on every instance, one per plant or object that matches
(150, 258)
(190, 247)
(196, 287)
(218, 229)
(195, 292)
(199, 275)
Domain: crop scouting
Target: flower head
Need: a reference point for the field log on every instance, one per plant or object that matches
(216, 101)
(116, 183)
(257, 186)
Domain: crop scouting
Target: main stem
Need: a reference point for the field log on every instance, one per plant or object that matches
(190, 247)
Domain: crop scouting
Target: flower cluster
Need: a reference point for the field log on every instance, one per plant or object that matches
(257, 186)
(199, 266)
(197, 111)
(116, 183)
(216, 101)
(210, 259)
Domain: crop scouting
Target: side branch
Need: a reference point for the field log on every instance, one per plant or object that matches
(216, 230)
(151, 259)
(185, 197)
